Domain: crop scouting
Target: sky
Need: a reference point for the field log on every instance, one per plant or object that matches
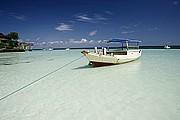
(86, 22)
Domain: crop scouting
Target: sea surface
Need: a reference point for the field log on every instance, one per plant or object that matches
(60, 85)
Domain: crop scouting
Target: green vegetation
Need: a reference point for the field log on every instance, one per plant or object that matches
(13, 36)
(9, 41)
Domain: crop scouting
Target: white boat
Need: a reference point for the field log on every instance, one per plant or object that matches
(50, 49)
(112, 57)
(67, 48)
(167, 47)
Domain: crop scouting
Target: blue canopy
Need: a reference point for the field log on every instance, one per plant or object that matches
(123, 40)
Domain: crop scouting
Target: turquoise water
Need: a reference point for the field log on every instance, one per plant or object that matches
(145, 89)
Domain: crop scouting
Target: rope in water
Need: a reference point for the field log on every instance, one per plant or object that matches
(35, 81)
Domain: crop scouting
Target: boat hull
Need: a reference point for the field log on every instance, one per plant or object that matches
(99, 64)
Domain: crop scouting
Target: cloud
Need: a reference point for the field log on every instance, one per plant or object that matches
(73, 41)
(92, 33)
(55, 42)
(124, 27)
(131, 25)
(99, 41)
(64, 27)
(135, 25)
(127, 32)
(38, 39)
(83, 41)
(21, 17)
(99, 17)
(84, 18)
(90, 19)
(18, 17)
(152, 29)
(109, 13)
(78, 42)
(13, 15)
(91, 41)
(50, 43)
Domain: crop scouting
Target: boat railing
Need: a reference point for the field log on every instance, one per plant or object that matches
(117, 52)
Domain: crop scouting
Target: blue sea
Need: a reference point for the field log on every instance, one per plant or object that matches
(60, 85)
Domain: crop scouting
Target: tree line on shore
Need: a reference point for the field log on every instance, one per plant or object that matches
(9, 41)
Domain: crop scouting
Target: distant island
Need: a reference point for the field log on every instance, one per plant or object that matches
(10, 43)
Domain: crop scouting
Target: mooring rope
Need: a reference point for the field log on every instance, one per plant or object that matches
(35, 81)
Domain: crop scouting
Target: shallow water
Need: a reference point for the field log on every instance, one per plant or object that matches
(145, 89)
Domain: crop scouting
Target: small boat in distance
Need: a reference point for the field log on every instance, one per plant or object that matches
(106, 57)
(50, 49)
(167, 47)
(67, 48)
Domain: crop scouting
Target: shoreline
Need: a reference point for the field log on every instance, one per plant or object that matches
(12, 50)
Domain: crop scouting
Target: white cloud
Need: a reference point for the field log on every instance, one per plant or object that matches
(83, 41)
(93, 19)
(135, 25)
(84, 18)
(109, 13)
(18, 17)
(71, 40)
(21, 17)
(14, 15)
(78, 42)
(131, 25)
(152, 29)
(91, 41)
(127, 32)
(125, 27)
(64, 27)
(61, 42)
(99, 17)
(93, 33)
(55, 42)
(99, 41)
